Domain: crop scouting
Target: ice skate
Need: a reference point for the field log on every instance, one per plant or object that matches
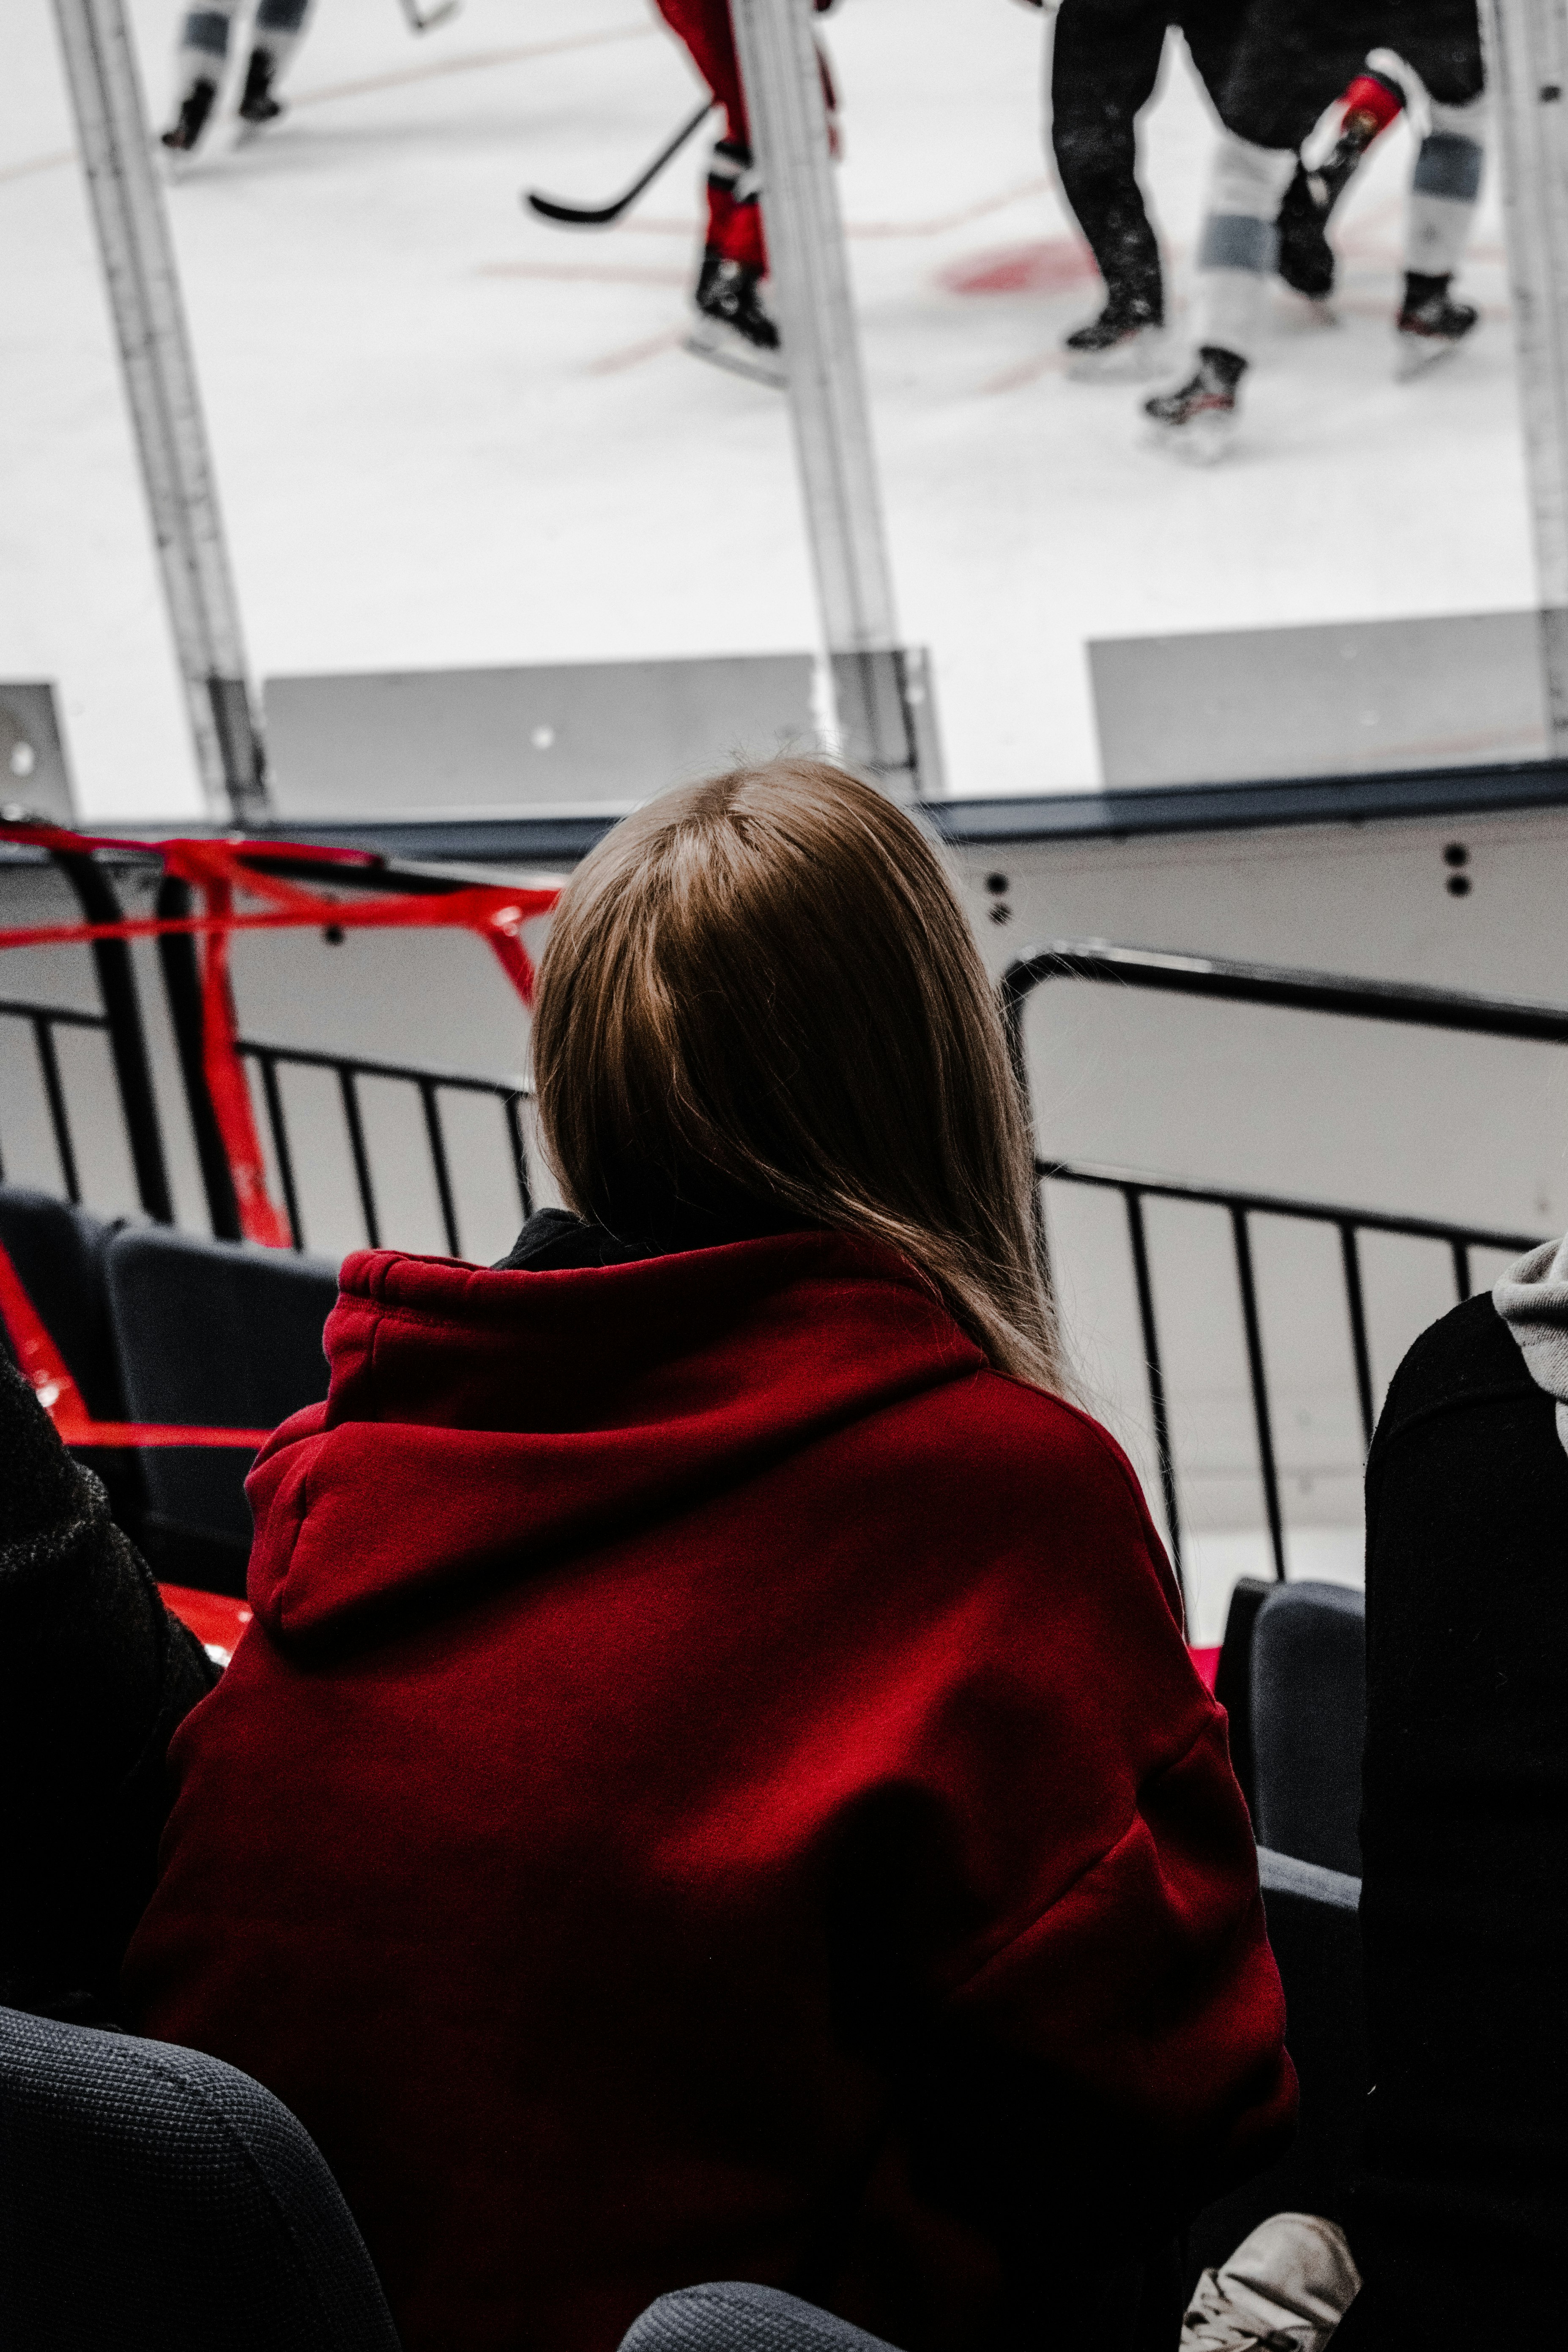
(1125, 343)
(1429, 325)
(1197, 419)
(257, 107)
(195, 112)
(733, 328)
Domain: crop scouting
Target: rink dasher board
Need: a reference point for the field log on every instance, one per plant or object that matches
(1328, 698)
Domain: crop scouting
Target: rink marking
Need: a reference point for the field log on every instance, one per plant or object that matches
(603, 273)
(38, 163)
(633, 355)
(662, 225)
(477, 61)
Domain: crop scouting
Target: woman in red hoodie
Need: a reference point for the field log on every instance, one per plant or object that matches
(715, 1786)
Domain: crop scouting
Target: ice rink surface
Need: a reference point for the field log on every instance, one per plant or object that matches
(448, 434)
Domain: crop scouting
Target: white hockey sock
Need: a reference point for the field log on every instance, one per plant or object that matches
(1240, 245)
(279, 29)
(203, 43)
(1444, 187)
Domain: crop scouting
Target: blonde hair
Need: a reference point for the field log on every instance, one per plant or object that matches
(762, 988)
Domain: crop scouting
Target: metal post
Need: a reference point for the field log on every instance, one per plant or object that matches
(160, 381)
(1527, 71)
(810, 276)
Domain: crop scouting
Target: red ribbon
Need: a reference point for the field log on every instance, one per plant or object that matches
(218, 869)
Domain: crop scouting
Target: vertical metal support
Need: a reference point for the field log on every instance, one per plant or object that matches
(272, 1095)
(809, 270)
(127, 1039)
(182, 987)
(54, 1095)
(1259, 1378)
(1158, 1411)
(519, 1155)
(1355, 1300)
(1528, 71)
(1461, 1251)
(348, 1086)
(160, 381)
(436, 1136)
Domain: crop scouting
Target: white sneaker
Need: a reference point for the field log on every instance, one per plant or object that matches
(1285, 2289)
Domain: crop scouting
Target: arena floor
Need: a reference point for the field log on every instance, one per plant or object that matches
(448, 434)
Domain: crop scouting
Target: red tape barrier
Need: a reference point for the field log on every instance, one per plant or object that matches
(218, 870)
(43, 1364)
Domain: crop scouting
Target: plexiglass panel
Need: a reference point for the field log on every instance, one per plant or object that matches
(486, 510)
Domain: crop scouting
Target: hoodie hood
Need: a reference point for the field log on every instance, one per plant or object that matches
(478, 1422)
(1532, 1299)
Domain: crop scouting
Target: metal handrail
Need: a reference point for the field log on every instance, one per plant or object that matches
(430, 1080)
(1241, 1207)
(43, 1020)
(1401, 1000)
(1408, 1003)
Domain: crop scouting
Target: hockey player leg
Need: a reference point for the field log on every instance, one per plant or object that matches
(199, 65)
(733, 327)
(1104, 64)
(1374, 100)
(1443, 188)
(1236, 258)
(274, 37)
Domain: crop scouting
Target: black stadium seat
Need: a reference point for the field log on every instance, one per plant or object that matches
(1315, 1932)
(1233, 1677)
(1309, 1723)
(217, 1335)
(59, 1255)
(733, 2317)
(58, 1252)
(152, 2199)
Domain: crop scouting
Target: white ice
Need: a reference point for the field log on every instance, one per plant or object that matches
(448, 434)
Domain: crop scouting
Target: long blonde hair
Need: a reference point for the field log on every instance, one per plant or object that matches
(765, 984)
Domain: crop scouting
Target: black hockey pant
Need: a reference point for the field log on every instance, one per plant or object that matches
(1293, 57)
(1104, 65)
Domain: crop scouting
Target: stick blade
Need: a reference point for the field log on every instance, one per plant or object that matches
(552, 208)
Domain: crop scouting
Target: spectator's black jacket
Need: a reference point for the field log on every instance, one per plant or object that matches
(94, 1676)
(1460, 2221)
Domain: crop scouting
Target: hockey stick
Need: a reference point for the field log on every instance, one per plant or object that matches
(437, 15)
(600, 216)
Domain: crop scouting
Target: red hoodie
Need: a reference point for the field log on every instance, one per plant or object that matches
(715, 1789)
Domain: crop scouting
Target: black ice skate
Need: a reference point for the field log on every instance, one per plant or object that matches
(1197, 418)
(1429, 325)
(733, 328)
(1126, 341)
(188, 126)
(256, 104)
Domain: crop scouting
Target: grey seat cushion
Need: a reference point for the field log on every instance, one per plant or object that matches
(215, 1335)
(152, 2199)
(731, 2315)
(1309, 1723)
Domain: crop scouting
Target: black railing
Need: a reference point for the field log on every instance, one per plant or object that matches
(430, 1083)
(43, 1020)
(1099, 961)
(1240, 1207)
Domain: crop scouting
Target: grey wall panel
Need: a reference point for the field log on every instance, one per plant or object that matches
(32, 770)
(560, 735)
(1240, 704)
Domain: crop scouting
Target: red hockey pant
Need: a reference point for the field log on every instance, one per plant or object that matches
(734, 229)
